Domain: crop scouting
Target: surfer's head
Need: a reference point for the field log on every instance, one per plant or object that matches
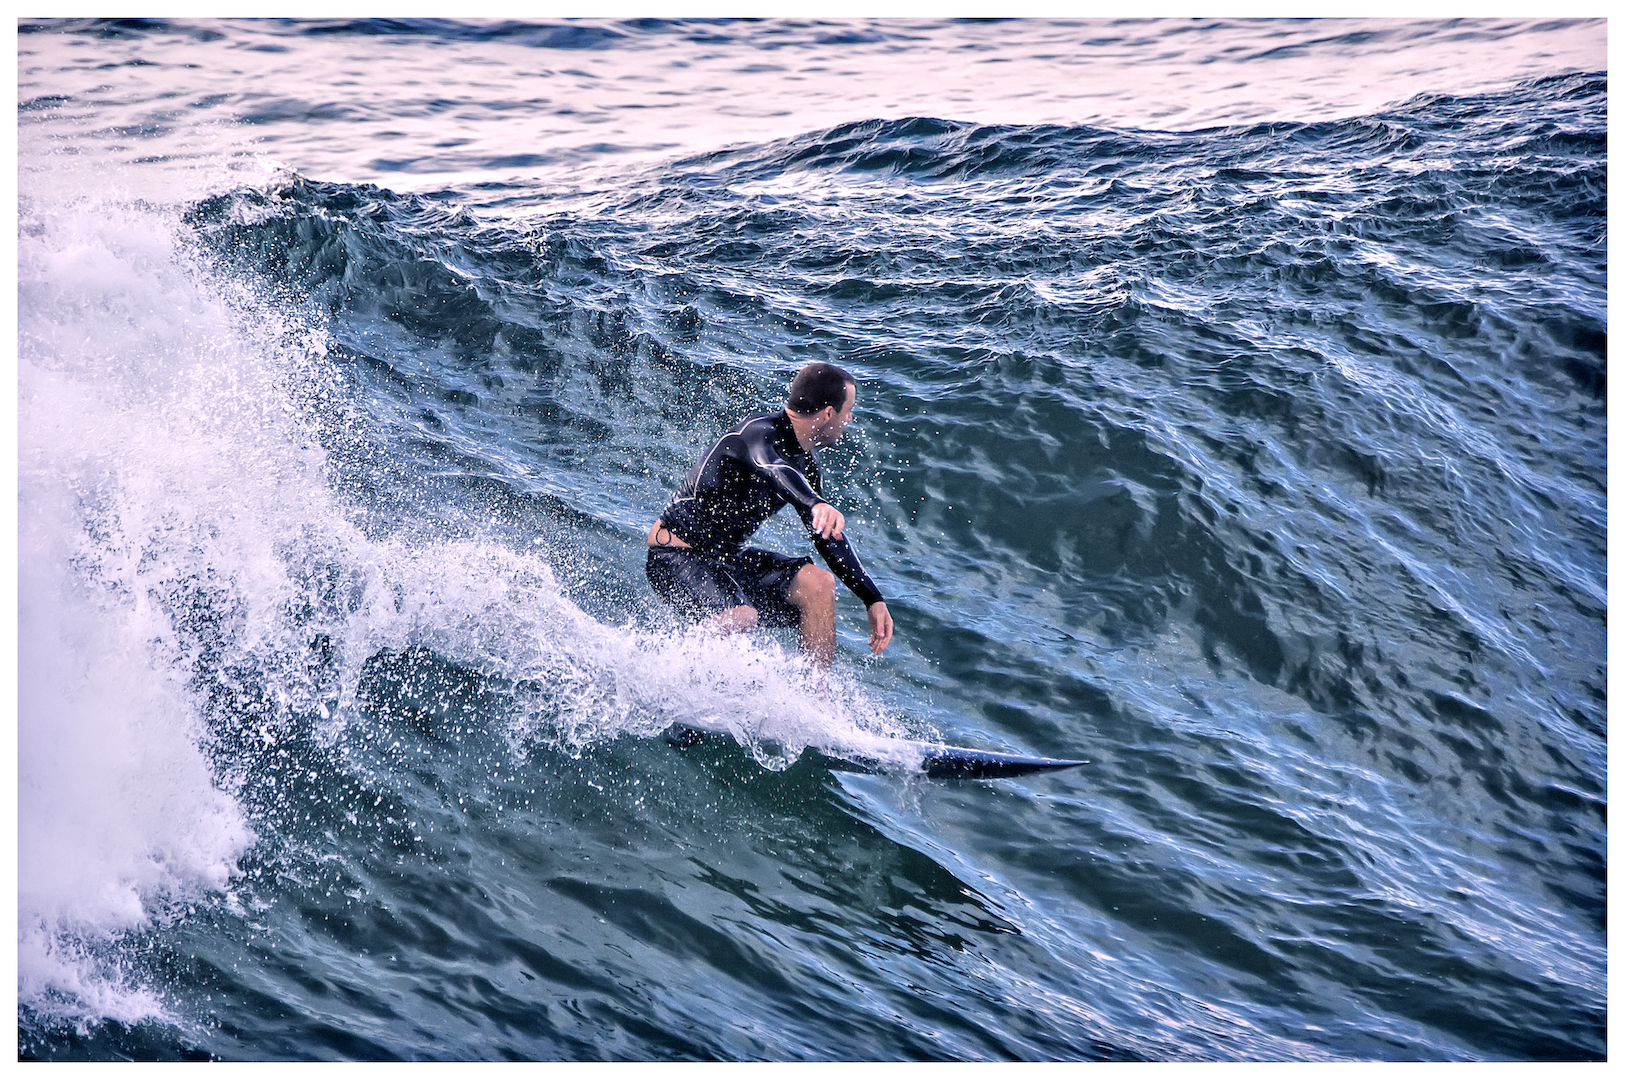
(823, 395)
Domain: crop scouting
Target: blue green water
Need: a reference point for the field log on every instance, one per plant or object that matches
(1254, 452)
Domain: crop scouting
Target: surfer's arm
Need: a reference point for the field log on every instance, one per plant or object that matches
(785, 478)
(840, 557)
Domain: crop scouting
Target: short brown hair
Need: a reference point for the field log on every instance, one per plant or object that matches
(817, 386)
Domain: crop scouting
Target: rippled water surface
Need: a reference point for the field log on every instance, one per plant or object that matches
(1232, 415)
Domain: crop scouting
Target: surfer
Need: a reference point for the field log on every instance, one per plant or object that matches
(697, 560)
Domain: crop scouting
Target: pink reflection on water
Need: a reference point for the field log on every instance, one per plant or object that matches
(416, 111)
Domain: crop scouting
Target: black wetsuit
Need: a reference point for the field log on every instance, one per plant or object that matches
(740, 482)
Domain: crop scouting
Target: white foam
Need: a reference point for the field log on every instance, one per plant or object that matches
(117, 808)
(502, 613)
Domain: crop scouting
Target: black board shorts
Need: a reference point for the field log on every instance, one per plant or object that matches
(702, 585)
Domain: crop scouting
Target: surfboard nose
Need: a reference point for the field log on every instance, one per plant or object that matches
(957, 763)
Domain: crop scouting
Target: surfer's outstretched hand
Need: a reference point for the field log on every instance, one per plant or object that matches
(879, 627)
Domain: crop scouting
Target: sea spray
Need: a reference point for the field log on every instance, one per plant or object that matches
(195, 597)
(119, 813)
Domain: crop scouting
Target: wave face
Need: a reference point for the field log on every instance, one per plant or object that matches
(1263, 465)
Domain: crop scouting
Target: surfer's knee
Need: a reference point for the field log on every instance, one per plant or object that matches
(734, 619)
(814, 586)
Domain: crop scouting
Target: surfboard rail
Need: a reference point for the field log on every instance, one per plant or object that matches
(937, 761)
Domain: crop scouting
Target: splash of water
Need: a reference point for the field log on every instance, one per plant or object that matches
(193, 589)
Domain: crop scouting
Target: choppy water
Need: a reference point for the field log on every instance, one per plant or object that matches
(1232, 415)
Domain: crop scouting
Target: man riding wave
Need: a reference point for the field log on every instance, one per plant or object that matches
(697, 560)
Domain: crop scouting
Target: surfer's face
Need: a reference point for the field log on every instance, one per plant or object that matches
(831, 422)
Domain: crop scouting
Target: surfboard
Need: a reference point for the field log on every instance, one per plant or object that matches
(936, 761)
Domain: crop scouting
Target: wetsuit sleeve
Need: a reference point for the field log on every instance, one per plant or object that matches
(789, 482)
(785, 478)
(843, 561)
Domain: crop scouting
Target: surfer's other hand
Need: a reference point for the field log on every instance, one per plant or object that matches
(879, 627)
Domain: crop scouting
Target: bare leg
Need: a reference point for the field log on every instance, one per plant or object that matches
(733, 620)
(813, 593)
